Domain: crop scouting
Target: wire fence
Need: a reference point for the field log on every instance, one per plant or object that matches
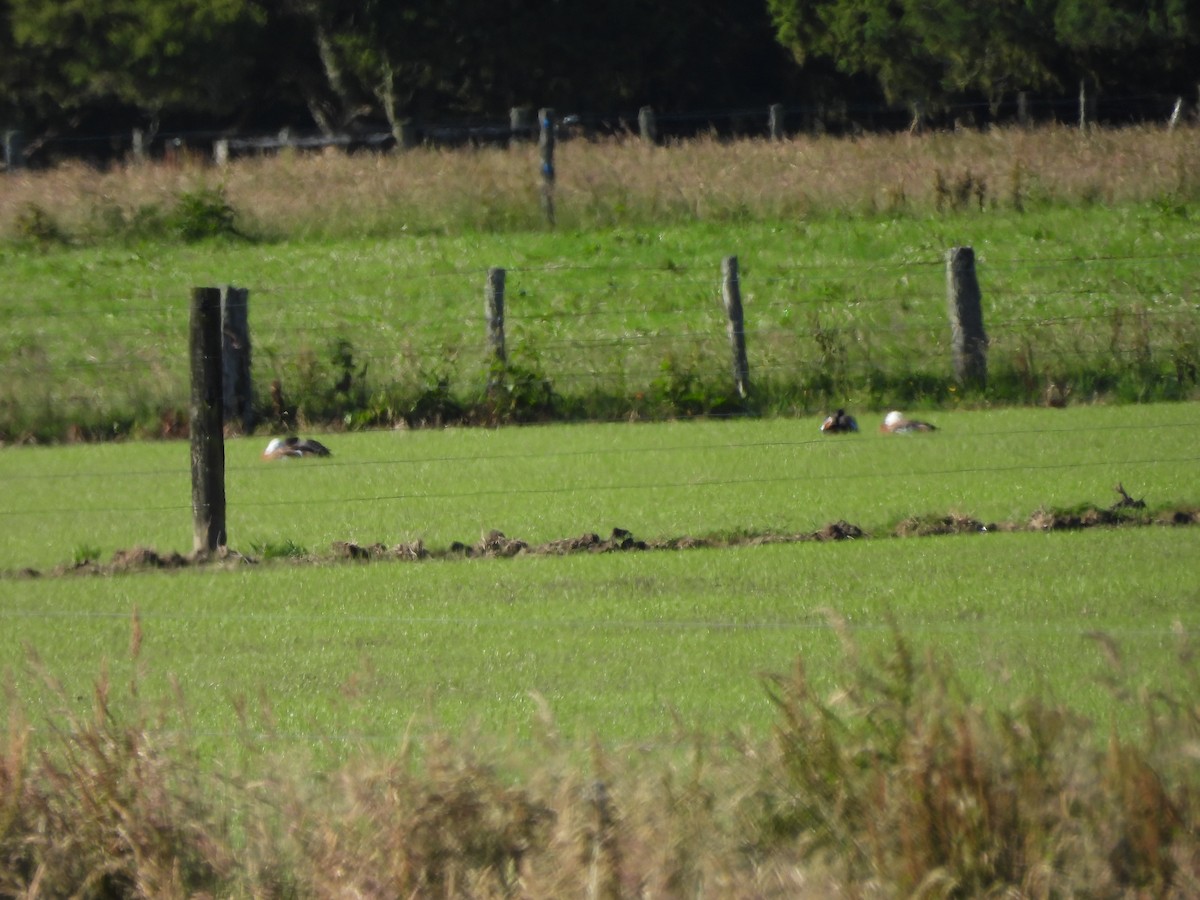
(626, 330)
(774, 120)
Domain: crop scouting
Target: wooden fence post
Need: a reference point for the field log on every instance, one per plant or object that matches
(1087, 105)
(1176, 114)
(520, 125)
(546, 153)
(493, 309)
(1023, 108)
(731, 293)
(647, 125)
(405, 134)
(208, 441)
(137, 146)
(775, 123)
(968, 340)
(237, 388)
(14, 150)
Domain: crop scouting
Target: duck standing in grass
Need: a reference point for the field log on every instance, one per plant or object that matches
(839, 423)
(896, 422)
(289, 447)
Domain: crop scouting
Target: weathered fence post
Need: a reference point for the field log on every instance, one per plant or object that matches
(775, 123)
(1087, 105)
(731, 293)
(137, 146)
(546, 153)
(405, 134)
(968, 340)
(1176, 114)
(14, 150)
(1023, 108)
(208, 441)
(520, 125)
(647, 125)
(493, 309)
(221, 152)
(237, 389)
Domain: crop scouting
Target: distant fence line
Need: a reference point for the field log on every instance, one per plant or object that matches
(222, 388)
(776, 121)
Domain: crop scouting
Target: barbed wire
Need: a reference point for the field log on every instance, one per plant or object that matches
(856, 349)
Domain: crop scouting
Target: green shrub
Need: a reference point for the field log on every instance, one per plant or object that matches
(201, 214)
(518, 390)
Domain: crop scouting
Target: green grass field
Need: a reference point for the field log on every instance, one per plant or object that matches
(243, 729)
(628, 648)
(542, 483)
(616, 644)
(1101, 301)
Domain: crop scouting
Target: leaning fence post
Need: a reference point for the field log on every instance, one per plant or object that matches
(208, 441)
(731, 293)
(968, 340)
(493, 307)
(546, 152)
(1176, 114)
(237, 389)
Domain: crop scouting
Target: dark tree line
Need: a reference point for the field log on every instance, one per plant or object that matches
(72, 66)
(927, 53)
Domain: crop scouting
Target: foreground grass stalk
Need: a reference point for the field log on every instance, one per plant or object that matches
(896, 783)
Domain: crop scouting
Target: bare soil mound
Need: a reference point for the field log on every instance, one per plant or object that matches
(496, 545)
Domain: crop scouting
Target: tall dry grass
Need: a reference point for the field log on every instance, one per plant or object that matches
(895, 785)
(622, 181)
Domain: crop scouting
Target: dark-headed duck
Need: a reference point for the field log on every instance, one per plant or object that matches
(839, 423)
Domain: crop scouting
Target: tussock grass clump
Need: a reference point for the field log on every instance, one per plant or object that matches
(900, 782)
(897, 784)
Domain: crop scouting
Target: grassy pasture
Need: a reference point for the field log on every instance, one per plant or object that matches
(542, 483)
(613, 643)
(276, 671)
(1093, 292)
(628, 648)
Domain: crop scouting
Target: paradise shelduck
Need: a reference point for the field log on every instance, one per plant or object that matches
(839, 423)
(895, 423)
(283, 448)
